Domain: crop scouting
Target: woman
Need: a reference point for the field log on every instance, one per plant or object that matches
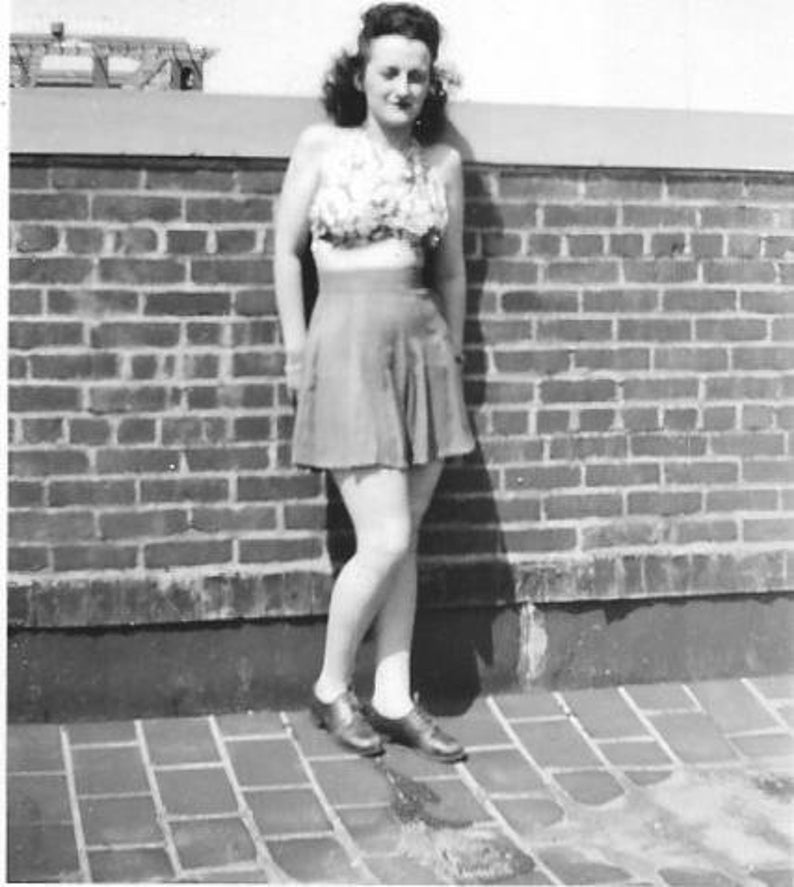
(377, 374)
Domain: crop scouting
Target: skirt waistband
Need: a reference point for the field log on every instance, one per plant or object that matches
(407, 280)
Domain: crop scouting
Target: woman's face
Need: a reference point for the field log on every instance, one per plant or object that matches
(396, 80)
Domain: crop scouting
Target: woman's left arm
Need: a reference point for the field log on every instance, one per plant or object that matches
(449, 265)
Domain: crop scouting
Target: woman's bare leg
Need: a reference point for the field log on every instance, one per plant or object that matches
(395, 620)
(378, 501)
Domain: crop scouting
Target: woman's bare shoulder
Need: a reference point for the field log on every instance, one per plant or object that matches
(444, 159)
(318, 138)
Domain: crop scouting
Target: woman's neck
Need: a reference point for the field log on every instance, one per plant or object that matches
(401, 139)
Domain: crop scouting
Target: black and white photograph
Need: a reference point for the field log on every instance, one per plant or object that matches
(400, 450)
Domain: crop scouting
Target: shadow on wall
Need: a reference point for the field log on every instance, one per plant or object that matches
(460, 650)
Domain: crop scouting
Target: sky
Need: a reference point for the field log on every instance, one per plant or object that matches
(691, 54)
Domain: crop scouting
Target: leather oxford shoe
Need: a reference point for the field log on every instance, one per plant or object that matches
(419, 731)
(344, 720)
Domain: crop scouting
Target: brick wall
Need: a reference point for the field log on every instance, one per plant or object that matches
(629, 367)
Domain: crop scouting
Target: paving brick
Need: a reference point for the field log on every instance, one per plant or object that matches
(374, 829)
(555, 744)
(263, 723)
(203, 843)
(661, 697)
(406, 762)
(695, 877)
(573, 867)
(592, 787)
(648, 777)
(604, 713)
(313, 741)
(33, 747)
(693, 738)
(265, 762)
(131, 866)
(37, 798)
(787, 713)
(43, 852)
(180, 741)
(101, 733)
(402, 870)
(775, 686)
(355, 781)
(195, 792)
(231, 876)
(287, 811)
(99, 771)
(109, 821)
(634, 753)
(534, 704)
(529, 815)
(314, 859)
(477, 726)
(504, 770)
(732, 706)
(764, 745)
(449, 803)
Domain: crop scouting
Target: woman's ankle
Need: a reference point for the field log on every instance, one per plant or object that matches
(327, 690)
(392, 706)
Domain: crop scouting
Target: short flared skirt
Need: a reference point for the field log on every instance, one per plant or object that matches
(381, 386)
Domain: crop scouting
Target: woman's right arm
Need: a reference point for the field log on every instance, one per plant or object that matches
(292, 232)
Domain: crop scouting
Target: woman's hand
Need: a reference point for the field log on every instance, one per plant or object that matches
(293, 371)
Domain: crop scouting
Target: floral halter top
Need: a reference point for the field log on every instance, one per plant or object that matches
(369, 193)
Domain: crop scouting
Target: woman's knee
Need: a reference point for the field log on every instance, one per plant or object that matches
(388, 544)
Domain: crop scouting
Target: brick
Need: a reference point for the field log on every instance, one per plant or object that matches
(767, 303)
(43, 398)
(219, 520)
(36, 747)
(783, 330)
(597, 420)
(227, 459)
(612, 358)
(36, 335)
(619, 533)
(768, 529)
(185, 490)
(216, 842)
(658, 216)
(746, 246)
(544, 245)
(48, 206)
(281, 549)
(684, 419)
(94, 557)
(585, 245)
(509, 422)
(634, 753)
(558, 539)
(258, 363)
(110, 821)
(628, 300)
(187, 242)
(620, 474)
(499, 243)
(693, 738)
(127, 524)
(183, 179)
(123, 461)
(255, 332)
(74, 366)
(664, 503)
(265, 762)
(261, 181)
(668, 244)
(127, 399)
(136, 431)
(574, 330)
(292, 811)
(130, 866)
(27, 177)
(732, 706)
(40, 526)
(580, 216)
(591, 390)
(92, 303)
(317, 859)
(191, 304)
(85, 241)
(759, 417)
(745, 271)
(532, 301)
(582, 506)
(707, 246)
(89, 431)
(660, 697)
(542, 477)
(223, 209)
(95, 177)
(699, 301)
(700, 472)
(141, 271)
(749, 444)
(738, 388)
(660, 270)
(255, 302)
(37, 463)
(737, 217)
(27, 559)
(25, 494)
(741, 500)
(626, 245)
(49, 270)
(611, 446)
(135, 208)
(697, 359)
(172, 554)
(35, 238)
(654, 330)
(239, 240)
(42, 430)
(134, 241)
(42, 852)
(719, 418)
(193, 431)
(698, 186)
(232, 271)
(24, 301)
(694, 877)
(671, 445)
(605, 271)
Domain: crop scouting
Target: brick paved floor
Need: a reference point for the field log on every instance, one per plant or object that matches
(672, 785)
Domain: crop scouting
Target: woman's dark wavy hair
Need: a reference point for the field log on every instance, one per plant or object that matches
(346, 104)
